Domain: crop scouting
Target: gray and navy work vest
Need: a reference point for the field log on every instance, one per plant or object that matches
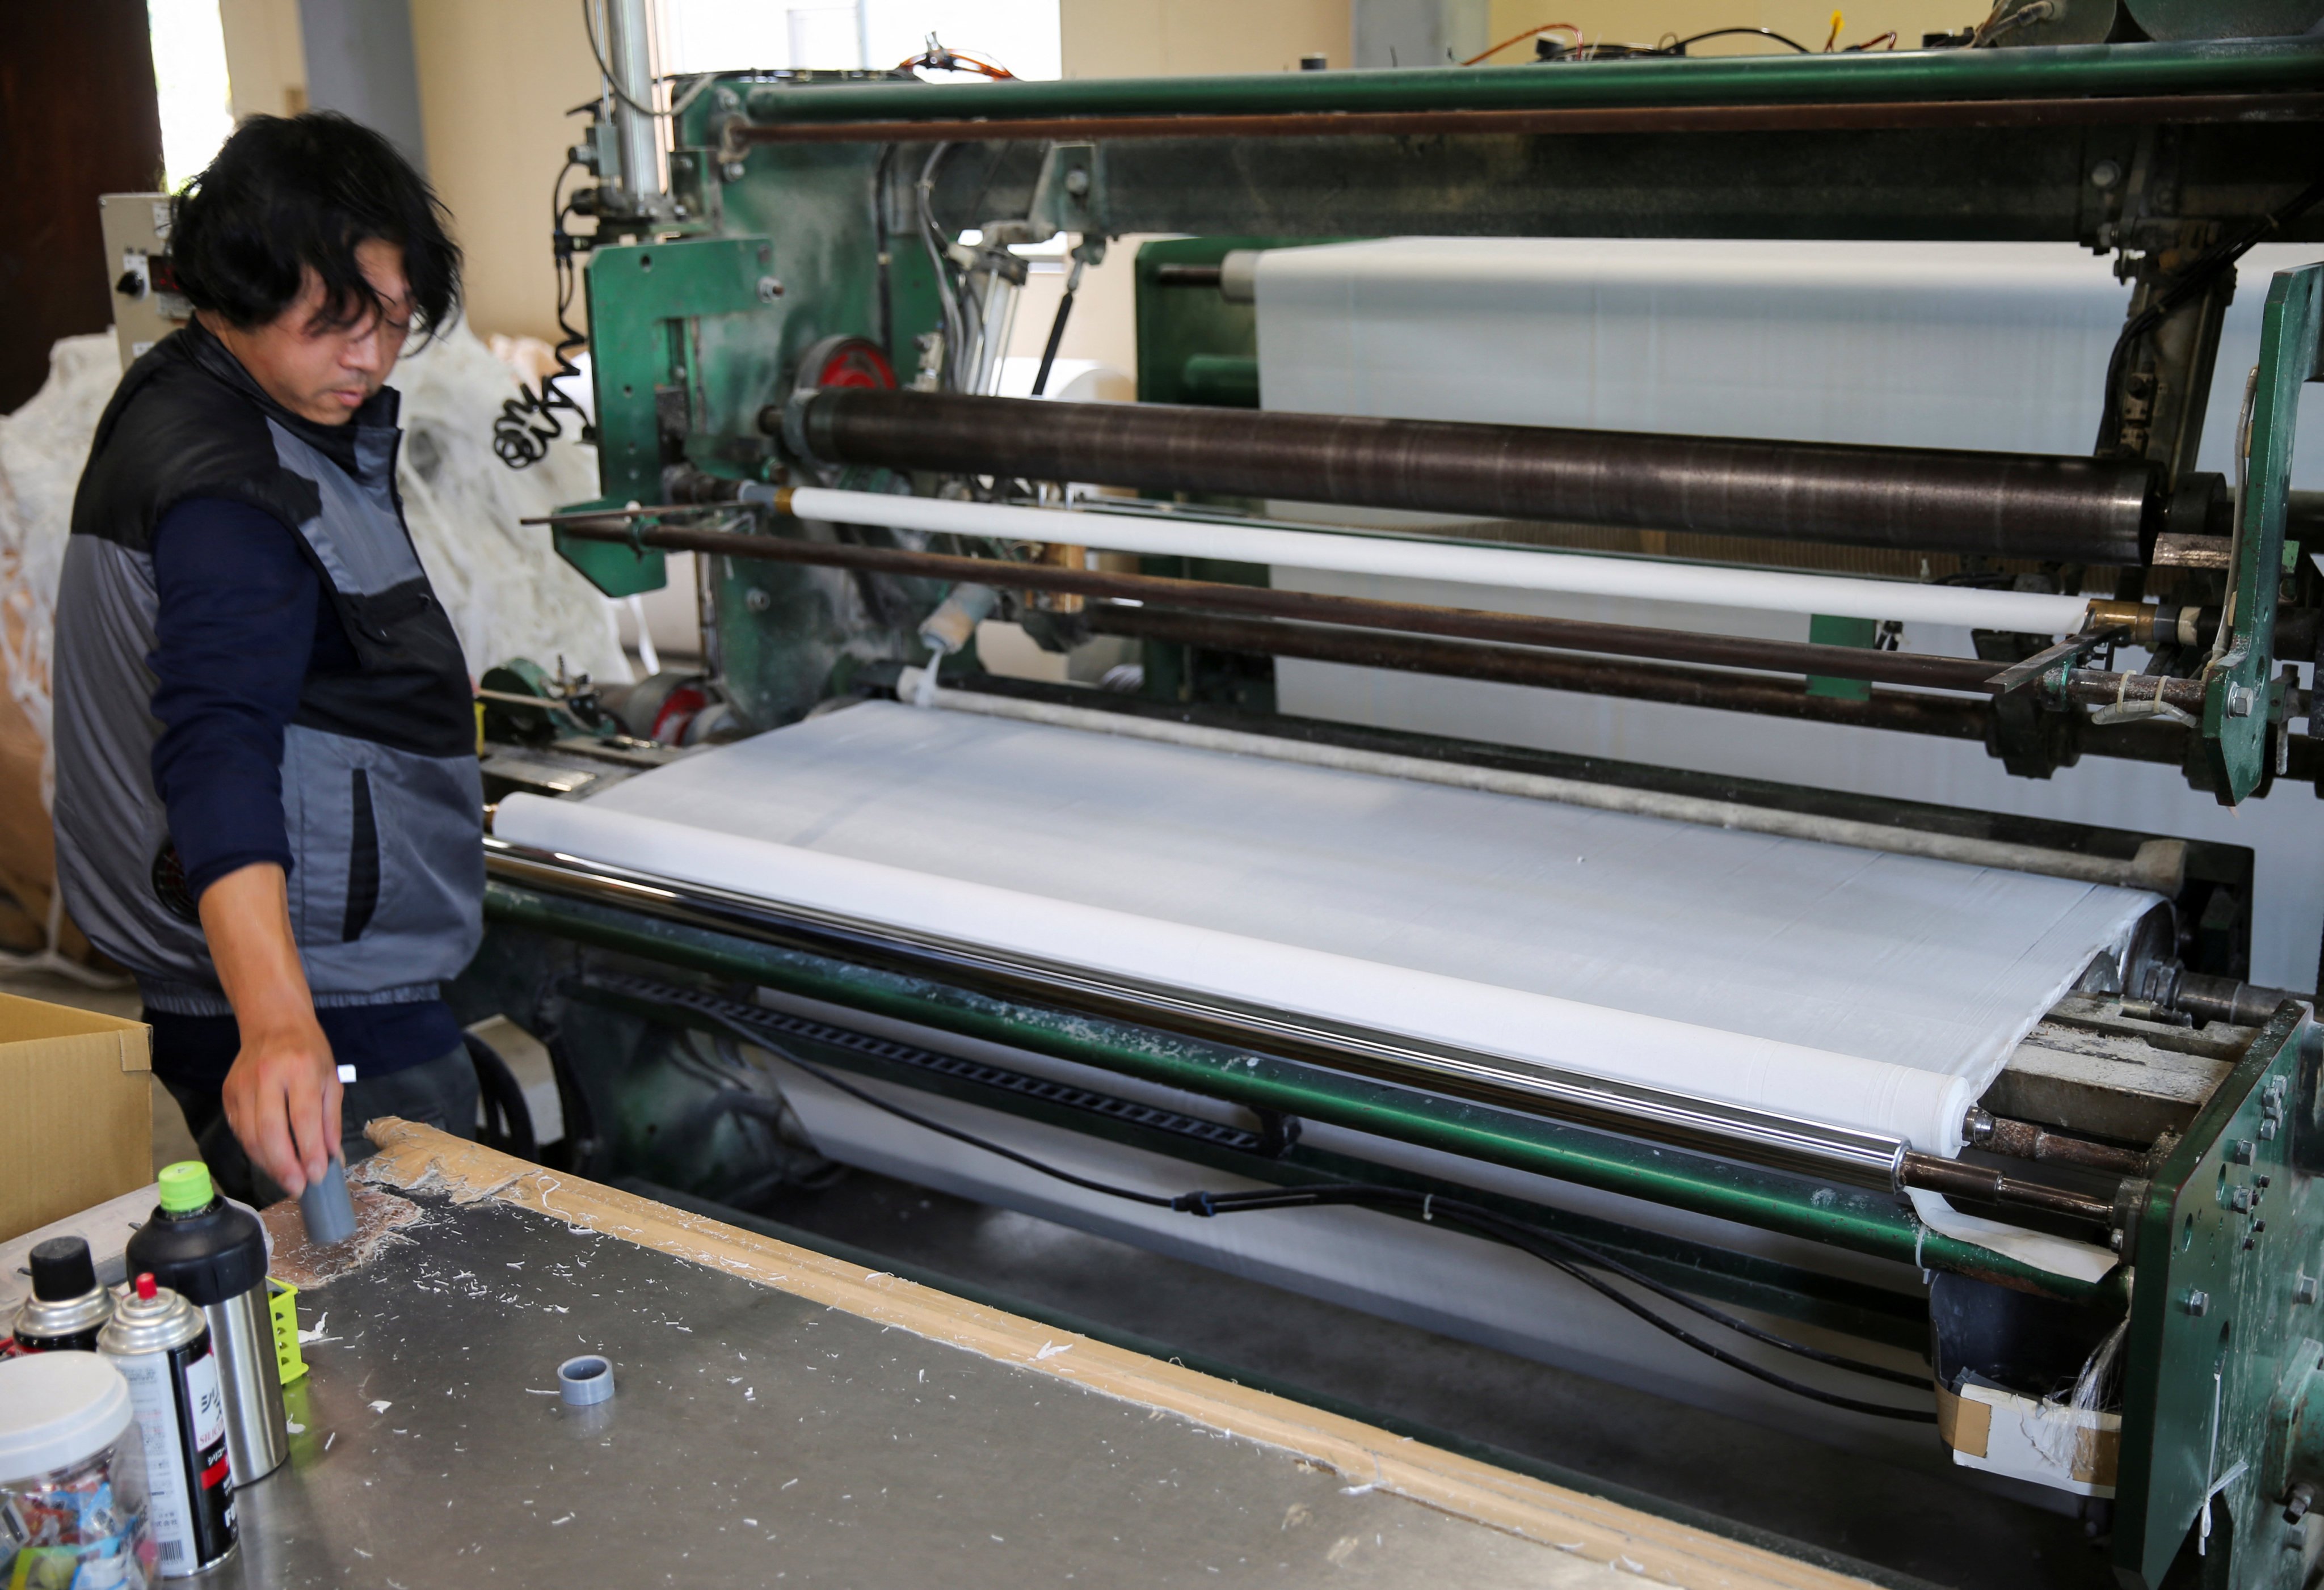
(381, 796)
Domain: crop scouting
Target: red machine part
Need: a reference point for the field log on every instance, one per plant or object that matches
(676, 711)
(847, 361)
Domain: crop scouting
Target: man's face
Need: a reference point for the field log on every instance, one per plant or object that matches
(317, 370)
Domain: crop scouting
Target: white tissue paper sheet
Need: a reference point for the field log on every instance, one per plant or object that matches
(1991, 346)
(1877, 991)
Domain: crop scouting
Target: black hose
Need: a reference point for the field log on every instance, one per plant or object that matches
(1057, 330)
(508, 1120)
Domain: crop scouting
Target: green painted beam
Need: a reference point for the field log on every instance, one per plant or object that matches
(1740, 1279)
(2241, 67)
(2243, 707)
(1862, 1222)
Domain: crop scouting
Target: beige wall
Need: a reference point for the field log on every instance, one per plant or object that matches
(265, 59)
(1153, 39)
(495, 81)
(1174, 38)
(1649, 22)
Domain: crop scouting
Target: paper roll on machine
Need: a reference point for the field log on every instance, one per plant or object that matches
(2100, 1274)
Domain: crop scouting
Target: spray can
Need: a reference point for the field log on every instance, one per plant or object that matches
(67, 1308)
(214, 1255)
(162, 1347)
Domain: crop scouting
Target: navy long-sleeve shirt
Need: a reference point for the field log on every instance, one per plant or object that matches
(243, 619)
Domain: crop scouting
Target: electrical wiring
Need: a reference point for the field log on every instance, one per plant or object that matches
(884, 301)
(1546, 1246)
(1678, 47)
(1547, 27)
(528, 421)
(1574, 1259)
(976, 326)
(936, 58)
(947, 299)
(2003, 20)
(2218, 257)
(1433, 1205)
(1669, 46)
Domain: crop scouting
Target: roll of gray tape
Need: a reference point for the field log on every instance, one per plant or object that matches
(584, 1380)
(329, 1212)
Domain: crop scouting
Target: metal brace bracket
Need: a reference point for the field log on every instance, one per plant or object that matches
(1069, 195)
(2051, 664)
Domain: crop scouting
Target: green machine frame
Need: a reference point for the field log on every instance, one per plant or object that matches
(802, 190)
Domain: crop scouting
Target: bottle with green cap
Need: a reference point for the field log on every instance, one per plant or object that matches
(214, 1254)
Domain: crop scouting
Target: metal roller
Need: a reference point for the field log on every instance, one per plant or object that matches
(1992, 504)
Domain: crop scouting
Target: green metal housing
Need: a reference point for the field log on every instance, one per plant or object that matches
(2156, 149)
(2242, 67)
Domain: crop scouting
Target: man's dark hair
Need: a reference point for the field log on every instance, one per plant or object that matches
(285, 195)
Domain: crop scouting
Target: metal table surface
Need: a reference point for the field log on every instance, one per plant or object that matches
(759, 1437)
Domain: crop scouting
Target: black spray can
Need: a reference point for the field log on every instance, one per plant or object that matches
(213, 1255)
(161, 1345)
(67, 1308)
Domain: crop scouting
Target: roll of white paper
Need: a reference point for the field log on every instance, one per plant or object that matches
(1526, 568)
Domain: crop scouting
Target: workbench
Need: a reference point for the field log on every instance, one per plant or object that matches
(786, 1417)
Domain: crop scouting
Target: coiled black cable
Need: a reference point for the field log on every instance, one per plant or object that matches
(528, 421)
(1558, 1252)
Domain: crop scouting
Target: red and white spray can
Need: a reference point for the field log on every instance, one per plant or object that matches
(161, 1344)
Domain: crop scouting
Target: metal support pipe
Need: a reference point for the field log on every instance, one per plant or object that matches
(2239, 1003)
(1345, 551)
(1717, 689)
(1948, 717)
(2026, 1140)
(1780, 657)
(2080, 511)
(629, 52)
(1981, 1184)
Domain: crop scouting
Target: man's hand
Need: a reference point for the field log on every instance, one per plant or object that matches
(283, 1095)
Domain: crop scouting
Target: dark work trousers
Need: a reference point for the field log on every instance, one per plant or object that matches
(440, 1093)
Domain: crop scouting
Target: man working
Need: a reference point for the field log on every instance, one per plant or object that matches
(267, 802)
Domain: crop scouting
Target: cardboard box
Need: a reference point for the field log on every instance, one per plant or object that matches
(76, 1111)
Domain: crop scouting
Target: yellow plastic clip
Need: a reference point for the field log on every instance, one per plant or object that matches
(283, 1310)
